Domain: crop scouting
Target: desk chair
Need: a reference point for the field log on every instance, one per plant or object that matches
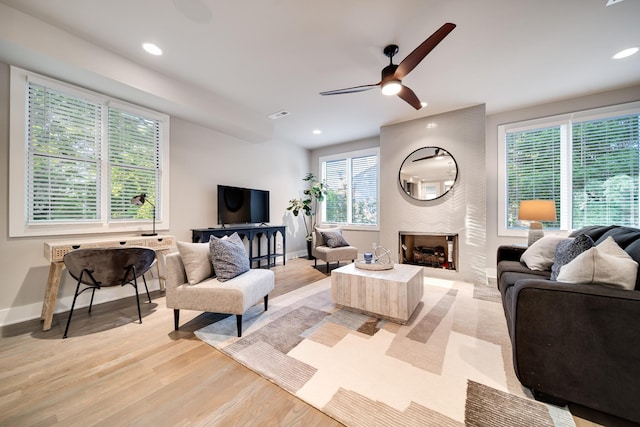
(103, 267)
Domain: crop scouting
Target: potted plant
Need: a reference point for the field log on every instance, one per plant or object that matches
(308, 206)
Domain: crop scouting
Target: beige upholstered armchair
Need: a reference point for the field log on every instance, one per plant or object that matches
(330, 246)
(190, 285)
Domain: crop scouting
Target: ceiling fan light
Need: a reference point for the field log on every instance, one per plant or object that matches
(391, 87)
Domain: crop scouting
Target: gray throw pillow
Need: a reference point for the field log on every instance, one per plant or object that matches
(228, 256)
(334, 239)
(567, 250)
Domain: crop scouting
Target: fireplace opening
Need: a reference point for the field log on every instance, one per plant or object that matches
(429, 250)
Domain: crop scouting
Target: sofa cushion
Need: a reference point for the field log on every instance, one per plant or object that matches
(539, 256)
(197, 264)
(567, 250)
(510, 277)
(607, 263)
(228, 256)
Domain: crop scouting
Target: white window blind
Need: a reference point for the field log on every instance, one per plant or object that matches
(352, 188)
(335, 178)
(533, 168)
(587, 162)
(364, 209)
(605, 171)
(134, 161)
(64, 143)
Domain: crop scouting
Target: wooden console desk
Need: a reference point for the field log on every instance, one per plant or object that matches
(55, 251)
(202, 235)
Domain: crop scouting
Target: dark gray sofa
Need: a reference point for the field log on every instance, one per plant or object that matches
(575, 343)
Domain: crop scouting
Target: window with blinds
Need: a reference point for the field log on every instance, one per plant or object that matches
(605, 169)
(134, 163)
(64, 144)
(533, 168)
(352, 188)
(588, 163)
(85, 157)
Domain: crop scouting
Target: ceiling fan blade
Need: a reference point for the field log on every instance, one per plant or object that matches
(418, 54)
(410, 97)
(423, 158)
(437, 153)
(350, 89)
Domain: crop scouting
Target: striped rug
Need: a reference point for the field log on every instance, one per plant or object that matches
(450, 365)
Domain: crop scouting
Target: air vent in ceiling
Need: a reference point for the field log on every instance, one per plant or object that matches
(278, 115)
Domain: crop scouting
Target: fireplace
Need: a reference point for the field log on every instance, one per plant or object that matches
(429, 250)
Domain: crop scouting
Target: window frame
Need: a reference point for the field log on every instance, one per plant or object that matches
(19, 225)
(566, 122)
(374, 151)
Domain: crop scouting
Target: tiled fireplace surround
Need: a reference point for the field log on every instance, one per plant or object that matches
(461, 212)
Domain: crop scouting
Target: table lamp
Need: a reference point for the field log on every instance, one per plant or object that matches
(536, 211)
(139, 200)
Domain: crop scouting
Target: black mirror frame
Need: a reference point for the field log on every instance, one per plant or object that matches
(455, 179)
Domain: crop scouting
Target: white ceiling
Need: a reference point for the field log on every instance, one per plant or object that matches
(272, 55)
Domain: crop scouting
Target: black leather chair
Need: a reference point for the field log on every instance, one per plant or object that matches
(103, 267)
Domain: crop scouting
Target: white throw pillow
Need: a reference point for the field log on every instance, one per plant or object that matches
(606, 264)
(539, 256)
(197, 264)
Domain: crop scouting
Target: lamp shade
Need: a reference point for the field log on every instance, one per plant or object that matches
(140, 200)
(537, 210)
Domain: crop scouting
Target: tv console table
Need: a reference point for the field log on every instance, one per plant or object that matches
(202, 235)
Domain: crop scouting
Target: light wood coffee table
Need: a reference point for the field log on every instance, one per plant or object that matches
(390, 294)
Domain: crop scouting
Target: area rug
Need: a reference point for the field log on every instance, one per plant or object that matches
(450, 365)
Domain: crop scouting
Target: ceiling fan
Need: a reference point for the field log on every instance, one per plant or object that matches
(392, 74)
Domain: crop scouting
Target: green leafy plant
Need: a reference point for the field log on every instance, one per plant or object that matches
(308, 205)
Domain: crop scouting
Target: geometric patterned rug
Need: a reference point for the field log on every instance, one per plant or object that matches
(450, 365)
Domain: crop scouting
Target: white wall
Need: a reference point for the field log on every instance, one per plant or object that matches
(201, 158)
(462, 211)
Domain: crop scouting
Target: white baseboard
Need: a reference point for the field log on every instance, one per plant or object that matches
(23, 313)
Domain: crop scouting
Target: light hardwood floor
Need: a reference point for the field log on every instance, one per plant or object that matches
(113, 371)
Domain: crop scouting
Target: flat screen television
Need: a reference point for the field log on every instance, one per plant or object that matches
(242, 205)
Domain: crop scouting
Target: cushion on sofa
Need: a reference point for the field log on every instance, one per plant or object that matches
(228, 256)
(197, 264)
(539, 256)
(607, 264)
(628, 238)
(567, 250)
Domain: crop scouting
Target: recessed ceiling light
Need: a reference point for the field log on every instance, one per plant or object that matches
(432, 125)
(152, 49)
(317, 131)
(625, 53)
(424, 104)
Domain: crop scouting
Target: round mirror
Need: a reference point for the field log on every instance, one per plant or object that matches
(428, 173)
